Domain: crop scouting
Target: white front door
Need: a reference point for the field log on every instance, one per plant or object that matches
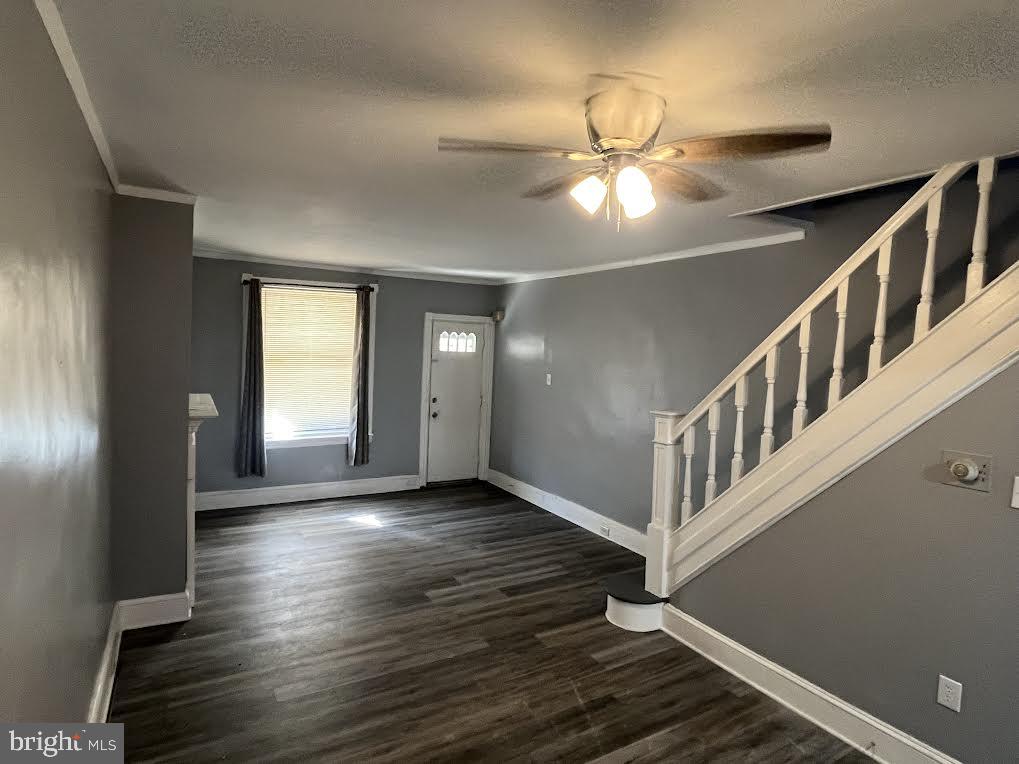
(454, 400)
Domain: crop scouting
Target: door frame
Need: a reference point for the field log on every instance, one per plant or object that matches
(487, 368)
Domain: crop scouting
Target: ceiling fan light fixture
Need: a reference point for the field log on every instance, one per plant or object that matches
(639, 210)
(590, 193)
(633, 189)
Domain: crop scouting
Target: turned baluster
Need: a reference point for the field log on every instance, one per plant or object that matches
(770, 374)
(711, 485)
(923, 308)
(839, 361)
(737, 446)
(978, 265)
(686, 510)
(884, 265)
(800, 411)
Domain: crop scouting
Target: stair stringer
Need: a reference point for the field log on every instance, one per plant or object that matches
(977, 341)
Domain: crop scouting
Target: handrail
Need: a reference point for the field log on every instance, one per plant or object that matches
(939, 181)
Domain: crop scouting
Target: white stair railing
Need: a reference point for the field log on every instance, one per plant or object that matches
(674, 431)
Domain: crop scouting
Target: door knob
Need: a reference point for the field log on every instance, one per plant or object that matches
(435, 414)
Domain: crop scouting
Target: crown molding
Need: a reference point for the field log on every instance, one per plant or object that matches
(707, 249)
(72, 71)
(62, 45)
(683, 254)
(214, 254)
(861, 187)
(838, 192)
(155, 193)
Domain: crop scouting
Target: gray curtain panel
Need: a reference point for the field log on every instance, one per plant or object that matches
(357, 441)
(251, 435)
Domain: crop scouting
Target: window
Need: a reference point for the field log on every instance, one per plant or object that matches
(308, 348)
(458, 343)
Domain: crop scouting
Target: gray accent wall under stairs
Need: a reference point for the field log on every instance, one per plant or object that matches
(889, 578)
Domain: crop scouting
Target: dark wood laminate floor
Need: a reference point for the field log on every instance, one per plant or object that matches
(449, 624)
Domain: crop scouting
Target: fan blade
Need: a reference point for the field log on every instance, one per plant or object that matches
(751, 145)
(560, 185)
(468, 144)
(681, 182)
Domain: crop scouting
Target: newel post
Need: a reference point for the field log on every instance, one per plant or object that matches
(664, 502)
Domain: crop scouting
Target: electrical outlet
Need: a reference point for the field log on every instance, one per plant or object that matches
(604, 529)
(949, 693)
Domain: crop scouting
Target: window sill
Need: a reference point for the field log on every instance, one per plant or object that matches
(335, 439)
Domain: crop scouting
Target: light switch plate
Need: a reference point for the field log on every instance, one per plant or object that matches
(548, 379)
(1015, 492)
(949, 693)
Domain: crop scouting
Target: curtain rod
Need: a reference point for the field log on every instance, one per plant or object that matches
(247, 277)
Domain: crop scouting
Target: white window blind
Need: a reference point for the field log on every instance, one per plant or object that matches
(308, 348)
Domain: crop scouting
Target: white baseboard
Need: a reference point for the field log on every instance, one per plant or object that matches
(130, 614)
(874, 737)
(284, 494)
(153, 611)
(623, 535)
(102, 689)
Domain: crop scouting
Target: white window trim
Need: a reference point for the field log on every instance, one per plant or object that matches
(338, 437)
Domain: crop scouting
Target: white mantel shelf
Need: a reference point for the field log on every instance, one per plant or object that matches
(201, 406)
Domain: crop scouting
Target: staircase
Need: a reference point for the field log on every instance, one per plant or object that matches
(690, 530)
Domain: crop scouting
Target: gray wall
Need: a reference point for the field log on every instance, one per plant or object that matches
(622, 343)
(151, 345)
(54, 410)
(879, 584)
(888, 578)
(216, 356)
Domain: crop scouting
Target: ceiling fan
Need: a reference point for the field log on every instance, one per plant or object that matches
(623, 124)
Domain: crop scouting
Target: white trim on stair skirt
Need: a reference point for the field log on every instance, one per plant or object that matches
(577, 514)
(285, 494)
(869, 734)
(976, 342)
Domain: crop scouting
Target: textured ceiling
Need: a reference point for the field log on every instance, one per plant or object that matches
(308, 129)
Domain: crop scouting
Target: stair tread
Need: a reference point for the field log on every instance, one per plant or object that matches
(629, 587)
